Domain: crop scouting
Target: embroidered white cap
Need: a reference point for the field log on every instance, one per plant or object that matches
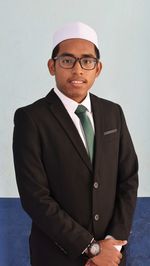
(75, 30)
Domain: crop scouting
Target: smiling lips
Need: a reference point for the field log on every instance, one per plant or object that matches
(77, 81)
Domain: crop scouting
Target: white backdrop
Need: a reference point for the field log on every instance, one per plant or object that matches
(26, 29)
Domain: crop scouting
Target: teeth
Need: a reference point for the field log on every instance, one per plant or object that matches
(77, 81)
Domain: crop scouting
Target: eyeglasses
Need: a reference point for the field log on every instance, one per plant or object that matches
(69, 62)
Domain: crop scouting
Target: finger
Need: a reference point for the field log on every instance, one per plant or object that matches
(114, 263)
(124, 242)
(88, 263)
(118, 242)
(120, 256)
(91, 264)
(118, 261)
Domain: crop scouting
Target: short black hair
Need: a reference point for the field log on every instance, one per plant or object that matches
(56, 51)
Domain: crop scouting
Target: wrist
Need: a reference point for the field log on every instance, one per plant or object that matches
(94, 249)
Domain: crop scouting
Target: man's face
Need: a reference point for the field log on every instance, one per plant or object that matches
(75, 82)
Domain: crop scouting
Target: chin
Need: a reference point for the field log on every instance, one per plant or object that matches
(78, 97)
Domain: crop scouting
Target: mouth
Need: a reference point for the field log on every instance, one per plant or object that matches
(77, 82)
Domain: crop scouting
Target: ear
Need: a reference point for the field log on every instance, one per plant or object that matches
(51, 66)
(99, 68)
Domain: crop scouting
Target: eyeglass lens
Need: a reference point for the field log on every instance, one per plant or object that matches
(85, 62)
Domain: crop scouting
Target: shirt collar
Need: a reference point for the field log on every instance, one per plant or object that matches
(72, 105)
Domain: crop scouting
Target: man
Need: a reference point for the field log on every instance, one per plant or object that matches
(75, 163)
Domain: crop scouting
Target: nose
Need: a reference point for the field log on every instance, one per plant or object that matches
(77, 69)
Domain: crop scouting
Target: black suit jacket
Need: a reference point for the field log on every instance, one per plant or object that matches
(56, 179)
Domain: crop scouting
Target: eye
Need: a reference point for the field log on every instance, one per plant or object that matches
(87, 61)
(67, 60)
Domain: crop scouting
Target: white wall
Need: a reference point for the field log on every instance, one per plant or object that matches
(26, 29)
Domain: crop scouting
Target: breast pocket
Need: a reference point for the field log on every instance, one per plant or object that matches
(110, 135)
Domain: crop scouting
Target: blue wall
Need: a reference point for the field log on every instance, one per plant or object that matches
(15, 229)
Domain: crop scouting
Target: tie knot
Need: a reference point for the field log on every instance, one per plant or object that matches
(80, 109)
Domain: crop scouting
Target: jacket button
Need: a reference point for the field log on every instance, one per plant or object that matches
(96, 185)
(96, 217)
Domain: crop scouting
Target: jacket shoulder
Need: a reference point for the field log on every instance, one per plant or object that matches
(105, 104)
(34, 110)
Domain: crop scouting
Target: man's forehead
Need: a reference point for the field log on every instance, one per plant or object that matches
(74, 46)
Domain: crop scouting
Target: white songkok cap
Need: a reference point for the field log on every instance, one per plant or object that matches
(75, 30)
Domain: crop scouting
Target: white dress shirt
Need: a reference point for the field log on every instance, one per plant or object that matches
(71, 107)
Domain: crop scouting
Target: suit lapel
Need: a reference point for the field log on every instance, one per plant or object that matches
(58, 110)
(99, 129)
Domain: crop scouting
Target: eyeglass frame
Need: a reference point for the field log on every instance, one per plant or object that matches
(76, 59)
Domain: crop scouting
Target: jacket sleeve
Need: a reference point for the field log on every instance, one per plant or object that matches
(127, 184)
(35, 191)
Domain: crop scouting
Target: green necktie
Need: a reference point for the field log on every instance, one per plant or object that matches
(87, 128)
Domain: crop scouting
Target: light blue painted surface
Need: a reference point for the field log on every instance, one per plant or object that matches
(123, 28)
(15, 230)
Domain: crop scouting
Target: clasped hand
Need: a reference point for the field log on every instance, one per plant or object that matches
(109, 255)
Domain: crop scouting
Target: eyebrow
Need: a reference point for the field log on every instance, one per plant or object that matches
(83, 55)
